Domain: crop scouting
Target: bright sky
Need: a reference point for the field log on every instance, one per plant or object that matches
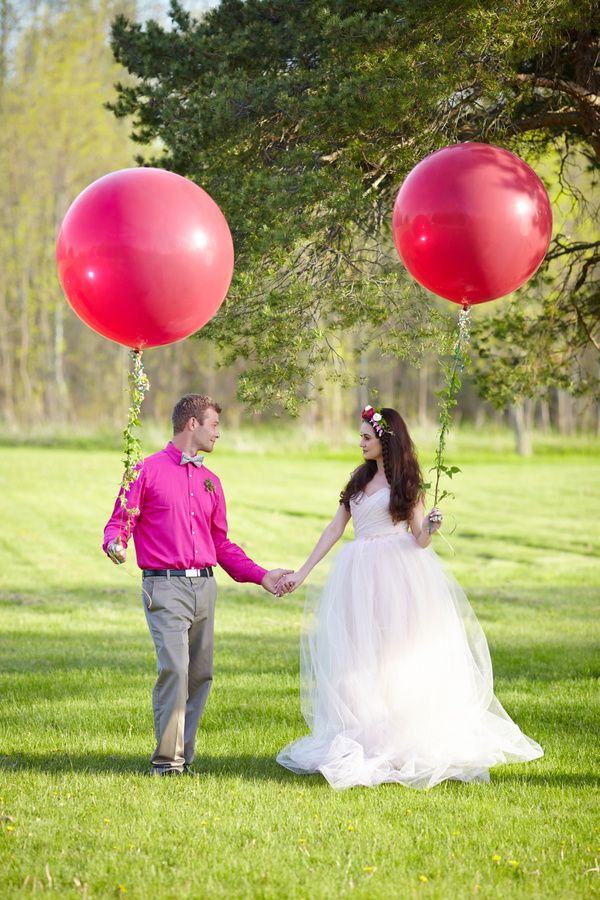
(156, 9)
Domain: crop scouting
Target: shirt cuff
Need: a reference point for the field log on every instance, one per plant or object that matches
(257, 575)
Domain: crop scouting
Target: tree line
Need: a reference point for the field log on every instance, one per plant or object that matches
(301, 119)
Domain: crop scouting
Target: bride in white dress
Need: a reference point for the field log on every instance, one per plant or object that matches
(397, 682)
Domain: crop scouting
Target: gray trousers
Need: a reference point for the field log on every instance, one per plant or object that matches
(180, 613)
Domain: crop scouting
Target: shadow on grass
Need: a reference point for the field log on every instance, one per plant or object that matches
(247, 766)
(250, 768)
(130, 651)
(555, 779)
(550, 658)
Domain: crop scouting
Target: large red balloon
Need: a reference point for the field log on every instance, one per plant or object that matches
(145, 257)
(472, 222)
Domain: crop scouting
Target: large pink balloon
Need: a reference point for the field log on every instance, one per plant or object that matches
(472, 222)
(145, 257)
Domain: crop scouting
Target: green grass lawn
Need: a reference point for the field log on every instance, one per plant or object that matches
(80, 817)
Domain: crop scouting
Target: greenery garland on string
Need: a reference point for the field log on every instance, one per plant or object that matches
(132, 446)
(447, 397)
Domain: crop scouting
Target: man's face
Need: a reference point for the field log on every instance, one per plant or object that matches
(206, 433)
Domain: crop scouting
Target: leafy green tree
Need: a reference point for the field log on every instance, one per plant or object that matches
(301, 117)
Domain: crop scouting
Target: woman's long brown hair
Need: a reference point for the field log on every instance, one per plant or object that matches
(400, 465)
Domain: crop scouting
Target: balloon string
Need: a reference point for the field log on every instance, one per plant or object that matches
(448, 400)
(447, 542)
(144, 591)
(132, 446)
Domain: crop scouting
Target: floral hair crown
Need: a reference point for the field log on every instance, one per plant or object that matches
(375, 419)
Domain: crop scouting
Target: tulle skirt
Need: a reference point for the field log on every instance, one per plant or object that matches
(396, 677)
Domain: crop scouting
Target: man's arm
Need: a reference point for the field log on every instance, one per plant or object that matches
(121, 524)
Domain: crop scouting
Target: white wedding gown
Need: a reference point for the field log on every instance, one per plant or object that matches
(397, 681)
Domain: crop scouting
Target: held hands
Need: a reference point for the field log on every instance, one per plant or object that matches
(288, 583)
(433, 520)
(272, 578)
(117, 552)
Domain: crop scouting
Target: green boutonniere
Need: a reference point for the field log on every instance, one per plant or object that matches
(209, 486)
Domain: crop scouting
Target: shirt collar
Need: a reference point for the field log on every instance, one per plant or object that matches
(172, 452)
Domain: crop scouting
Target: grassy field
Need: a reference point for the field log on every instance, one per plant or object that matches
(79, 816)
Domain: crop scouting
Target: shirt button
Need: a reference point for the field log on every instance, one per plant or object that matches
(192, 513)
(191, 493)
(190, 474)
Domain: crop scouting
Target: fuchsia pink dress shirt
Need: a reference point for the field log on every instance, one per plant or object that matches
(182, 524)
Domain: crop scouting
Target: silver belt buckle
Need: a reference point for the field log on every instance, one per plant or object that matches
(192, 573)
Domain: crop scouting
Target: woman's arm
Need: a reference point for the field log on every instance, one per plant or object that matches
(331, 534)
(423, 526)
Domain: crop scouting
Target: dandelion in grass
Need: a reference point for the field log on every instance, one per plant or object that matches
(423, 879)
(496, 858)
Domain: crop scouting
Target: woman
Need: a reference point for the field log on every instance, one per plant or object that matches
(397, 679)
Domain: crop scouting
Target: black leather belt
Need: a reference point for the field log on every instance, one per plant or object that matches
(207, 572)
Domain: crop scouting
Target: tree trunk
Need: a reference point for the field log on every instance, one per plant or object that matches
(545, 416)
(521, 416)
(211, 371)
(6, 362)
(4, 35)
(422, 416)
(565, 412)
(24, 348)
(60, 382)
(363, 388)
(332, 412)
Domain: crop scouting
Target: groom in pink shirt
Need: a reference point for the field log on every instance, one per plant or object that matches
(180, 534)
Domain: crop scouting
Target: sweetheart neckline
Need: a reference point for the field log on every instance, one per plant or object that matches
(378, 491)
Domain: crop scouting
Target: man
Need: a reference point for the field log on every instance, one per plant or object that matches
(179, 528)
